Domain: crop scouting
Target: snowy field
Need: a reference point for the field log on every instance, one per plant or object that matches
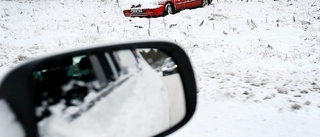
(257, 63)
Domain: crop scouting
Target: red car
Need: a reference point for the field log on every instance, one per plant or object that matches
(155, 8)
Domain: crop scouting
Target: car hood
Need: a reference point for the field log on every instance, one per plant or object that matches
(141, 4)
(9, 122)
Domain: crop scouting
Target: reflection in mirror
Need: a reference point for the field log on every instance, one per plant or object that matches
(132, 92)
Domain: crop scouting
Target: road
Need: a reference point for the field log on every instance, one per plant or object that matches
(176, 97)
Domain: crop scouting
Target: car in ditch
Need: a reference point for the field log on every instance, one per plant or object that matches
(155, 8)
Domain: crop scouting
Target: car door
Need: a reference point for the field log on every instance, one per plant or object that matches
(179, 4)
(192, 3)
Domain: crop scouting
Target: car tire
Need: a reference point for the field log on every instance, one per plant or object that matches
(205, 3)
(168, 9)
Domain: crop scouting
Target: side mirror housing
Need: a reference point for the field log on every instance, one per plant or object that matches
(140, 85)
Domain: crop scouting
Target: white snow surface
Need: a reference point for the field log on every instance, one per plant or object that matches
(256, 62)
(145, 4)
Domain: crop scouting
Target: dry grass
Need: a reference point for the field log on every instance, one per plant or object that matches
(296, 107)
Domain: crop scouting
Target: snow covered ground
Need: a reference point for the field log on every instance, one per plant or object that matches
(257, 63)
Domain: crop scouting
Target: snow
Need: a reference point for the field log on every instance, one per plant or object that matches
(256, 63)
(145, 4)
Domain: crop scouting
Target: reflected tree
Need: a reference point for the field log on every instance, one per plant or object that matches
(154, 57)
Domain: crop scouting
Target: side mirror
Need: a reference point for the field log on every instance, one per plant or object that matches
(131, 89)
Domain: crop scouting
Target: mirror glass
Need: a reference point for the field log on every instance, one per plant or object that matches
(129, 92)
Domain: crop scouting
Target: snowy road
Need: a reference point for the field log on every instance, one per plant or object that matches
(176, 97)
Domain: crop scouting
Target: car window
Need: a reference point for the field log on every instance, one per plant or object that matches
(126, 60)
(114, 66)
(59, 81)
